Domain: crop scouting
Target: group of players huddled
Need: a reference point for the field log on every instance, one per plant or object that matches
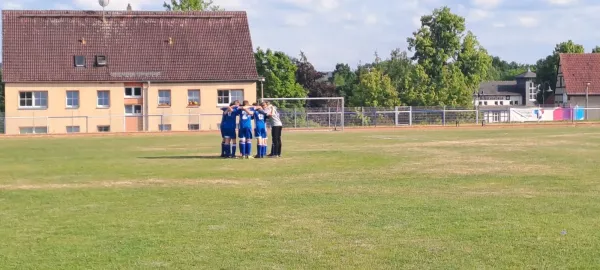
(247, 113)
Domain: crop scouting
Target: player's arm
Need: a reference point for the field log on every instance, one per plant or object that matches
(248, 110)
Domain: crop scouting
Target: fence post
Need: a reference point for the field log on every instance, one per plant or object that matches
(295, 125)
(162, 124)
(47, 124)
(396, 116)
(444, 116)
(410, 116)
(328, 117)
(375, 117)
(362, 118)
(343, 114)
(476, 115)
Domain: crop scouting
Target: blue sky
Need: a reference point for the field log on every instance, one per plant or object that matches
(350, 31)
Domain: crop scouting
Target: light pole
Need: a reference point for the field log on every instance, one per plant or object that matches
(262, 80)
(587, 89)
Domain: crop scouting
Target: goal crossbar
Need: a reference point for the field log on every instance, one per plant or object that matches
(339, 99)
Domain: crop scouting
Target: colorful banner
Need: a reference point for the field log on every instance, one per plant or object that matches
(531, 114)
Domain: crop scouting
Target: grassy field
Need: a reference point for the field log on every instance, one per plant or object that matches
(451, 199)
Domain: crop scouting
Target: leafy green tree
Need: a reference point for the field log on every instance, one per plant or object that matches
(596, 49)
(279, 72)
(375, 89)
(345, 80)
(191, 5)
(398, 67)
(451, 62)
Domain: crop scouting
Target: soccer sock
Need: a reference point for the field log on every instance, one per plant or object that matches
(223, 151)
(227, 150)
(258, 149)
(243, 148)
(248, 148)
(233, 148)
(263, 150)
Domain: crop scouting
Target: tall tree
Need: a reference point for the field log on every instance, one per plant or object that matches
(398, 67)
(280, 75)
(547, 68)
(375, 89)
(452, 62)
(344, 80)
(505, 71)
(314, 82)
(596, 49)
(190, 5)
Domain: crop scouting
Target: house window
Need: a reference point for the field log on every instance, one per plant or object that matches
(33, 130)
(532, 91)
(500, 103)
(225, 97)
(495, 102)
(516, 102)
(72, 99)
(511, 102)
(193, 97)
(133, 109)
(33, 100)
(79, 60)
(193, 127)
(496, 116)
(103, 128)
(485, 103)
(166, 127)
(164, 98)
(72, 129)
(133, 92)
(103, 99)
(480, 102)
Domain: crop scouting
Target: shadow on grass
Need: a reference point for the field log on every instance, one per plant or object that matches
(184, 157)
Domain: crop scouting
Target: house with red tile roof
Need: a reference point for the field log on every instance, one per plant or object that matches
(577, 75)
(80, 71)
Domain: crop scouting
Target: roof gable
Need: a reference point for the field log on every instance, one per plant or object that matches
(139, 46)
(499, 88)
(578, 69)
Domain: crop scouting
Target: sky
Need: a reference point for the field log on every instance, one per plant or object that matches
(351, 31)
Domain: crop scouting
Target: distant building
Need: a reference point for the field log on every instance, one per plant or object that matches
(520, 92)
(73, 71)
(575, 71)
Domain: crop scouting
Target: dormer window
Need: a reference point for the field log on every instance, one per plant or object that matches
(100, 60)
(79, 61)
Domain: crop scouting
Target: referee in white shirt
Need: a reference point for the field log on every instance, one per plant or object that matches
(276, 127)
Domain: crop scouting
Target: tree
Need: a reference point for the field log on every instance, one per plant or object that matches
(596, 49)
(446, 55)
(375, 89)
(314, 82)
(398, 68)
(190, 5)
(279, 72)
(344, 80)
(505, 71)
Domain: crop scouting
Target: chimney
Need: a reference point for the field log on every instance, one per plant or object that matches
(128, 7)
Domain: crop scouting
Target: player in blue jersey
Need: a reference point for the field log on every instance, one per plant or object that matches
(260, 130)
(245, 130)
(228, 123)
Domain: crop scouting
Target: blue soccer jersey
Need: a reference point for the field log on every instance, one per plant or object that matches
(229, 119)
(245, 118)
(259, 119)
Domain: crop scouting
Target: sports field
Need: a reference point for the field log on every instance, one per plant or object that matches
(438, 198)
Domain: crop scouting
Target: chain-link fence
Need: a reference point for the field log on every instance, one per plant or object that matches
(329, 118)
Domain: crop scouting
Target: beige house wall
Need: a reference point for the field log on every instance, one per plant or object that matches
(56, 117)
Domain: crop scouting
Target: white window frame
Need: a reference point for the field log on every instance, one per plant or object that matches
(98, 98)
(73, 129)
(225, 96)
(162, 97)
(76, 99)
(532, 91)
(39, 97)
(191, 99)
(133, 110)
(133, 95)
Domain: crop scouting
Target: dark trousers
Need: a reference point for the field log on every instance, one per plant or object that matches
(276, 144)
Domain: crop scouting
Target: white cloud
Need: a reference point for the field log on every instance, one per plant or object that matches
(528, 21)
(486, 4)
(12, 5)
(499, 25)
(562, 2)
(371, 19)
(477, 15)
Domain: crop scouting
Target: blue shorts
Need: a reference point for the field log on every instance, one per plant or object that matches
(260, 133)
(228, 133)
(245, 133)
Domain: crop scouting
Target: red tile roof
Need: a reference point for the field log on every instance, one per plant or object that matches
(206, 46)
(578, 69)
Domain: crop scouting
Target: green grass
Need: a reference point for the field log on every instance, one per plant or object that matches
(420, 199)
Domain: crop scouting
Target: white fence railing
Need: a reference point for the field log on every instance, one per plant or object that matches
(306, 118)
